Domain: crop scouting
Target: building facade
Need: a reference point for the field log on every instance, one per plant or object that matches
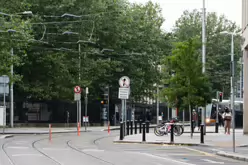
(245, 60)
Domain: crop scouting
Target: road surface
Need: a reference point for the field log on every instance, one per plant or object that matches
(97, 148)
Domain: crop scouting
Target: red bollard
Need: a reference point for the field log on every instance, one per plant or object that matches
(78, 128)
(108, 128)
(50, 132)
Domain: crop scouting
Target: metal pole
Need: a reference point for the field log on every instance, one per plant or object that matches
(157, 104)
(125, 113)
(12, 94)
(86, 103)
(108, 104)
(77, 111)
(168, 111)
(232, 91)
(203, 54)
(4, 104)
(79, 78)
(122, 116)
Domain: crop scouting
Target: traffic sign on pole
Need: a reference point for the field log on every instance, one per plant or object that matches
(123, 93)
(77, 96)
(77, 89)
(124, 82)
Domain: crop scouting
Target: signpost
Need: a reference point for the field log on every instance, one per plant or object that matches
(77, 97)
(124, 92)
(86, 118)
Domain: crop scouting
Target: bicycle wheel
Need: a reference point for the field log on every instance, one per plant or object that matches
(158, 131)
(178, 130)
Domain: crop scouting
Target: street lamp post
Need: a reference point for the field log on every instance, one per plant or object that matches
(203, 113)
(232, 82)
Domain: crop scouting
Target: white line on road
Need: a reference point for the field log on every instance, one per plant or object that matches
(163, 158)
(15, 147)
(211, 161)
(27, 155)
(94, 150)
(56, 149)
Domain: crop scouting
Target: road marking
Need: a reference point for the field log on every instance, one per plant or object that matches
(202, 152)
(211, 161)
(27, 155)
(13, 147)
(56, 149)
(163, 158)
(94, 150)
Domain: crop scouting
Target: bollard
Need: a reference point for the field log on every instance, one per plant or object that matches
(216, 127)
(128, 127)
(78, 129)
(131, 124)
(147, 126)
(140, 125)
(135, 126)
(121, 131)
(172, 134)
(192, 126)
(50, 132)
(144, 133)
(202, 133)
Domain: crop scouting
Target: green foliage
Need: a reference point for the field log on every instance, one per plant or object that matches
(218, 46)
(50, 63)
(188, 85)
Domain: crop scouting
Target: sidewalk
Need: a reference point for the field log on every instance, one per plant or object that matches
(44, 130)
(215, 140)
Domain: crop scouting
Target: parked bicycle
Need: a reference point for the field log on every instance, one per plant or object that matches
(165, 127)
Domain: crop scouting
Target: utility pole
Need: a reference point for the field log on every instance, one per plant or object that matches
(79, 78)
(157, 103)
(232, 90)
(203, 56)
(12, 93)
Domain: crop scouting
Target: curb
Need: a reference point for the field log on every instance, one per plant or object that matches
(161, 143)
(43, 133)
(7, 136)
(232, 156)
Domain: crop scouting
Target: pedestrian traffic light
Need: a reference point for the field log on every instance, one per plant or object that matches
(104, 102)
(220, 96)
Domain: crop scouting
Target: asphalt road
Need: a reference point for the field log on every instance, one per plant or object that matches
(97, 148)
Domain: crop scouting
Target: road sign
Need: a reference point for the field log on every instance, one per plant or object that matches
(77, 89)
(2, 116)
(4, 85)
(124, 82)
(77, 96)
(86, 119)
(123, 93)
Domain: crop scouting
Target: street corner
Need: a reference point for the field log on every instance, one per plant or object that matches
(6, 136)
(233, 156)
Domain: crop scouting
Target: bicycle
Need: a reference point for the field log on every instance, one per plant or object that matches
(165, 127)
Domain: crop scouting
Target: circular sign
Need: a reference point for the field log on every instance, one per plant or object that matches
(124, 82)
(77, 89)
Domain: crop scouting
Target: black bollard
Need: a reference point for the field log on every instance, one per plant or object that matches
(121, 131)
(216, 127)
(131, 123)
(135, 126)
(192, 126)
(140, 126)
(144, 133)
(127, 127)
(172, 134)
(147, 126)
(202, 133)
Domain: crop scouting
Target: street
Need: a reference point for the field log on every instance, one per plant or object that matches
(96, 148)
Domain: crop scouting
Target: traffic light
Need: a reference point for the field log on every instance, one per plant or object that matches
(104, 102)
(220, 96)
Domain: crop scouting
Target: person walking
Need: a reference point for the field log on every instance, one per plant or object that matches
(227, 116)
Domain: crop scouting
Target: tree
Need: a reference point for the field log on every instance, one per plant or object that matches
(51, 64)
(188, 86)
(218, 46)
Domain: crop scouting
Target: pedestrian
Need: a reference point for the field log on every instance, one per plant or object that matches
(199, 119)
(227, 116)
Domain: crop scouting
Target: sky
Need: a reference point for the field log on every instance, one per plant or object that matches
(173, 9)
